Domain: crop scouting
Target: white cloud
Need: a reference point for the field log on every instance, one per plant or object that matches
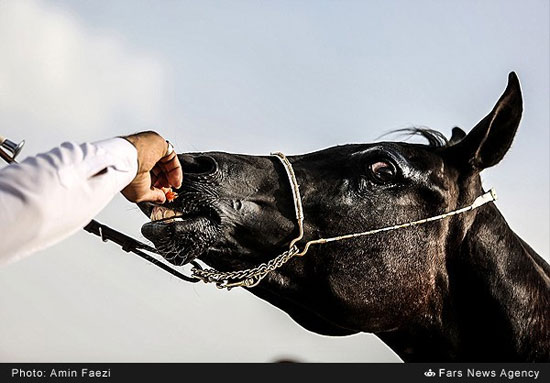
(62, 80)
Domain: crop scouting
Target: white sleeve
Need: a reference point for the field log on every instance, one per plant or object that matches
(46, 198)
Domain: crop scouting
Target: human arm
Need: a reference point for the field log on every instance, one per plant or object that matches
(48, 197)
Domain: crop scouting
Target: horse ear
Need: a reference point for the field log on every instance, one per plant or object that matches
(457, 135)
(490, 139)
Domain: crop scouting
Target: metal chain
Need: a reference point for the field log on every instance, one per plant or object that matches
(245, 278)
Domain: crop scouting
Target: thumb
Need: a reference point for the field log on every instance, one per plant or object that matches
(154, 195)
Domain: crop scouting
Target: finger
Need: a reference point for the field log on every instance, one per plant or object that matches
(156, 176)
(156, 170)
(172, 169)
(153, 195)
(161, 182)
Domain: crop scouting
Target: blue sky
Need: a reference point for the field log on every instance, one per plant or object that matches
(249, 77)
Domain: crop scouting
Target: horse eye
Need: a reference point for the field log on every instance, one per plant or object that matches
(382, 172)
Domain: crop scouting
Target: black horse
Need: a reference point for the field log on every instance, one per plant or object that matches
(466, 288)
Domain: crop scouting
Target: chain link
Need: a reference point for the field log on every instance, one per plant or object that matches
(244, 278)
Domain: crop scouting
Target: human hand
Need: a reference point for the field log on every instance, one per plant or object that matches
(157, 168)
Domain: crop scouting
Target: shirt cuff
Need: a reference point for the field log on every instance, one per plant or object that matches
(122, 153)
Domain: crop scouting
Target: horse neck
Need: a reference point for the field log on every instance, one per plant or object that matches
(499, 290)
(497, 304)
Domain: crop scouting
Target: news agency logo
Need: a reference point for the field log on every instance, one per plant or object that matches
(429, 373)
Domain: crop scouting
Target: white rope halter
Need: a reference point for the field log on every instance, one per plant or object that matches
(251, 277)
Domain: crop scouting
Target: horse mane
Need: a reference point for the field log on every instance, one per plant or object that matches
(435, 138)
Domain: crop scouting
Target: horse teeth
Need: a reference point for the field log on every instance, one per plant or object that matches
(159, 213)
(156, 214)
(168, 213)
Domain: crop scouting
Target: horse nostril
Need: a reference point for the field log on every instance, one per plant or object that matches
(199, 165)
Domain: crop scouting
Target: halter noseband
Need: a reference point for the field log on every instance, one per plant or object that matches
(251, 277)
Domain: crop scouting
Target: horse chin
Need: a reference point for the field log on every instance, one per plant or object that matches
(183, 240)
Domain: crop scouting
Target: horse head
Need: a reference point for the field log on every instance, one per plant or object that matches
(234, 212)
